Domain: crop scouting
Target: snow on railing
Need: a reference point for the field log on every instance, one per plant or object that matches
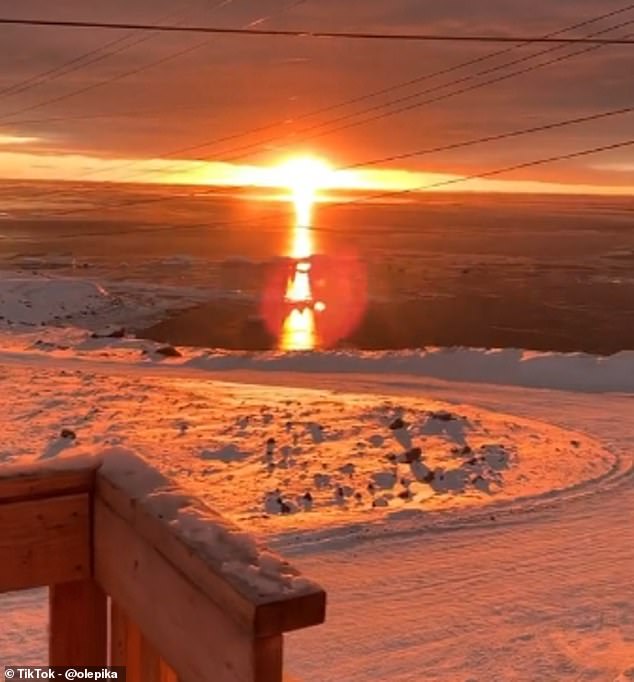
(144, 576)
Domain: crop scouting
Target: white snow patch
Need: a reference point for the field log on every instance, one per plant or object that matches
(44, 300)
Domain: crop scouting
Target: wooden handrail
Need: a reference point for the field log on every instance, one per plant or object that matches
(48, 478)
(192, 597)
(46, 523)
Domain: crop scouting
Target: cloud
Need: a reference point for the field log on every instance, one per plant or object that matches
(6, 140)
(625, 167)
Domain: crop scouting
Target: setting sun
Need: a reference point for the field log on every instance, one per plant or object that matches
(304, 176)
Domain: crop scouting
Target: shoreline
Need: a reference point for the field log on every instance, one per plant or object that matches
(409, 325)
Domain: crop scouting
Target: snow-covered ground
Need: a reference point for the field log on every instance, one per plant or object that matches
(464, 531)
(297, 457)
(38, 298)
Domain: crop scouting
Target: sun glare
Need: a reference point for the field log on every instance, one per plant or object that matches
(304, 176)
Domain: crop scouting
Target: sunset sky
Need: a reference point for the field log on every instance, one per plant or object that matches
(77, 126)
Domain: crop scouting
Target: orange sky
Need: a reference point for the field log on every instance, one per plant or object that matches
(138, 98)
(58, 167)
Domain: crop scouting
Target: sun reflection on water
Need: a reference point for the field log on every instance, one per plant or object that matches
(299, 327)
(298, 332)
(312, 299)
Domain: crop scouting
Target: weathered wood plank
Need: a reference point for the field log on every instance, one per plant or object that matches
(269, 656)
(131, 649)
(133, 493)
(118, 634)
(77, 624)
(195, 637)
(47, 479)
(45, 542)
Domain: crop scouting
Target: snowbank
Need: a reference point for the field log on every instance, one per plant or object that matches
(504, 367)
(560, 371)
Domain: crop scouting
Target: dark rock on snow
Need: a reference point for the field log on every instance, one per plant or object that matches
(413, 455)
(397, 424)
(109, 333)
(168, 352)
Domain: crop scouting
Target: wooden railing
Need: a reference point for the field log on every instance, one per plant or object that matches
(143, 576)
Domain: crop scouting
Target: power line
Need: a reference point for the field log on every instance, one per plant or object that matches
(227, 157)
(557, 125)
(254, 32)
(465, 143)
(458, 145)
(348, 121)
(468, 142)
(322, 130)
(493, 138)
(343, 103)
(493, 173)
(456, 67)
(393, 193)
(136, 70)
(76, 63)
(83, 60)
(356, 99)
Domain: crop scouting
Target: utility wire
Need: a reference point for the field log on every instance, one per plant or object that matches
(278, 33)
(458, 145)
(74, 64)
(578, 120)
(381, 195)
(489, 138)
(348, 121)
(493, 173)
(343, 103)
(461, 65)
(132, 72)
(229, 155)
(492, 138)
(322, 130)
(92, 56)
(426, 76)
(465, 143)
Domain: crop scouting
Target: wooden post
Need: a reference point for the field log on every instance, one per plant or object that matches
(78, 626)
(118, 635)
(87, 532)
(181, 605)
(129, 648)
(269, 659)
